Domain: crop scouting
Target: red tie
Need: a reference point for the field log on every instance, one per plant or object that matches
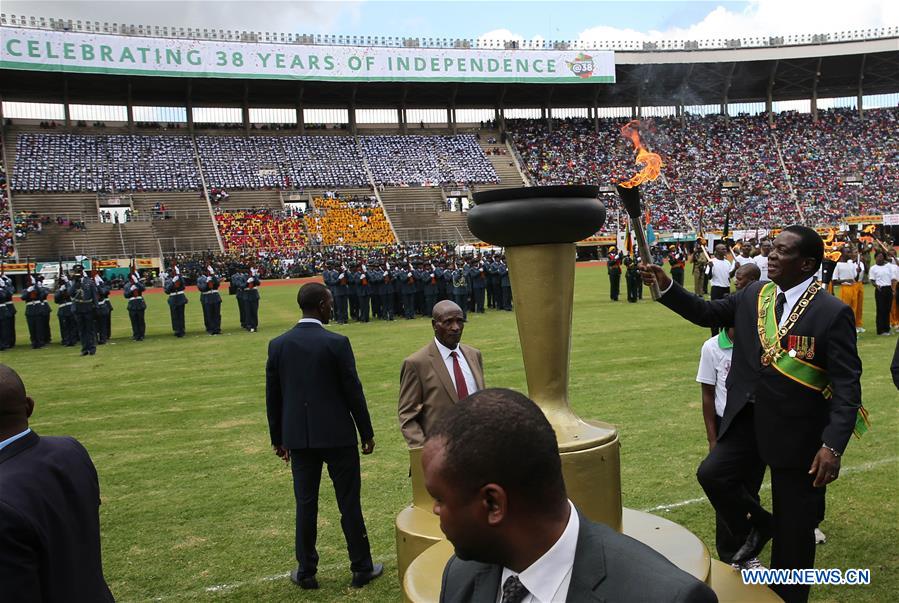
(461, 388)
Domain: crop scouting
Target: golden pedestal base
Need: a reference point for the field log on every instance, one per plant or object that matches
(421, 583)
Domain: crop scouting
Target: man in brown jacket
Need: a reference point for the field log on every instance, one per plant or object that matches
(438, 375)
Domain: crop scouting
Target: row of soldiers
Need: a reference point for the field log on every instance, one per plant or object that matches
(411, 287)
(616, 260)
(85, 311)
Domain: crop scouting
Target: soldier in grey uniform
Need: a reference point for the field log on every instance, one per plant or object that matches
(35, 298)
(174, 288)
(208, 285)
(7, 313)
(134, 293)
(458, 279)
(83, 291)
(238, 284)
(65, 312)
(251, 300)
(104, 310)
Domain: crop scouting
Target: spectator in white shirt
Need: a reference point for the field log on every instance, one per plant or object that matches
(761, 260)
(882, 277)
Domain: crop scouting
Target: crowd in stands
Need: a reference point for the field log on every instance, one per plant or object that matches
(7, 232)
(261, 229)
(821, 157)
(334, 221)
(258, 162)
(427, 160)
(80, 163)
(29, 222)
(700, 154)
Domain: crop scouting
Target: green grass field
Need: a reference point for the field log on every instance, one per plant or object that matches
(197, 507)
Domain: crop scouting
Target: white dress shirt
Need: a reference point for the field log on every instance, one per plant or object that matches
(548, 578)
(762, 262)
(882, 276)
(741, 260)
(445, 352)
(721, 270)
(846, 271)
(792, 294)
(310, 320)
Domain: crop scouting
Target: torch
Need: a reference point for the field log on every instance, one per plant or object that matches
(629, 191)
(630, 198)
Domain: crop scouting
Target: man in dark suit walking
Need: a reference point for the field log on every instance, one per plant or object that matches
(315, 405)
(492, 465)
(49, 510)
(793, 395)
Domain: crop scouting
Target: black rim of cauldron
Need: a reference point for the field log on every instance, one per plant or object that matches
(531, 192)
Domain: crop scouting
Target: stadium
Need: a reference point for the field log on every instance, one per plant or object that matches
(135, 149)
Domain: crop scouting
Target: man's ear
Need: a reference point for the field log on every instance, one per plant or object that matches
(29, 406)
(495, 503)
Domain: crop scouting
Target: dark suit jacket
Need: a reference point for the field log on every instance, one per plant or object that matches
(791, 420)
(49, 523)
(312, 393)
(608, 566)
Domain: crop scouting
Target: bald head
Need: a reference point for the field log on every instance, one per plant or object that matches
(448, 321)
(745, 274)
(442, 307)
(15, 406)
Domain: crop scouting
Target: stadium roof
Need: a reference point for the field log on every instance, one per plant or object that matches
(645, 78)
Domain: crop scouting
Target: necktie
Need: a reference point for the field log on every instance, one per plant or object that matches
(513, 590)
(779, 304)
(461, 388)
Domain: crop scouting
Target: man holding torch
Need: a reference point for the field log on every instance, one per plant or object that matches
(793, 398)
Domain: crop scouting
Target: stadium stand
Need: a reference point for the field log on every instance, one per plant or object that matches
(260, 162)
(832, 159)
(426, 160)
(840, 165)
(702, 153)
(7, 233)
(276, 231)
(348, 221)
(79, 163)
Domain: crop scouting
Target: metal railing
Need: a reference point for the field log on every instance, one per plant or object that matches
(205, 33)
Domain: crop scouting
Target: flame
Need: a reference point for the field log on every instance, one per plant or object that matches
(651, 162)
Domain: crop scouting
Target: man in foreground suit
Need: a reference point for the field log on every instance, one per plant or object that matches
(793, 393)
(49, 510)
(438, 375)
(492, 465)
(315, 404)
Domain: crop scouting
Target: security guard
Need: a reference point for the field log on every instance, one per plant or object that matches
(477, 274)
(363, 292)
(458, 278)
(505, 284)
(428, 277)
(632, 279)
(407, 288)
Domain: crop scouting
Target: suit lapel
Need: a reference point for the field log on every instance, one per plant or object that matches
(473, 365)
(23, 443)
(589, 564)
(440, 370)
(486, 585)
